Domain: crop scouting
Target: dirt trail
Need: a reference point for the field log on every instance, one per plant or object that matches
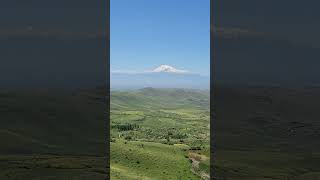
(195, 169)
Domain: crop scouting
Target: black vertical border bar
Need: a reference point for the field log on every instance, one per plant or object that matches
(107, 60)
(212, 76)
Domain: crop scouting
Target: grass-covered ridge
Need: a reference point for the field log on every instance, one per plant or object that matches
(157, 133)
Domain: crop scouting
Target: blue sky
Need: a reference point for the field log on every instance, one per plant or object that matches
(147, 33)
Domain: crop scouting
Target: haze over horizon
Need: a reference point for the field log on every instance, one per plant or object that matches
(163, 76)
(161, 68)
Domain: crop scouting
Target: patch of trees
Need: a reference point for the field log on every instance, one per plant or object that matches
(128, 138)
(126, 127)
(195, 148)
(179, 136)
(175, 134)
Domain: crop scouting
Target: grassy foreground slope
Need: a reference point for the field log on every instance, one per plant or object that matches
(147, 160)
(52, 134)
(159, 133)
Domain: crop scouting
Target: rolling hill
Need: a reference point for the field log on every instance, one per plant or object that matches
(158, 133)
(160, 98)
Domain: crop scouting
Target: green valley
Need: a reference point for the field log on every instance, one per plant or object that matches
(160, 134)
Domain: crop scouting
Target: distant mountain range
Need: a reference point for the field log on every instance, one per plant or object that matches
(153, 98)
(164, 76)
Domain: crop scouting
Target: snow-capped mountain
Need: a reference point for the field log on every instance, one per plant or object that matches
(169, 69)
(164, 76)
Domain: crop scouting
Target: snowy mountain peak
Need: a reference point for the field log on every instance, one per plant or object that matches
(169, 69)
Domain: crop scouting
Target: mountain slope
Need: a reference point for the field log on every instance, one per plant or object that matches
(159, 98)
(167, 68)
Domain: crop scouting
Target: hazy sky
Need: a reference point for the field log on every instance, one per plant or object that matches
(145, 34)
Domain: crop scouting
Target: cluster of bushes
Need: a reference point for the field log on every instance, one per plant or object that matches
(179, 136)
(195, 148)
(128, 138)
(125, 127)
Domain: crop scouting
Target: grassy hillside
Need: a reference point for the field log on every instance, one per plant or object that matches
(160, 134)
(148, 160)
(272, 133)
(151, 98)
(52, 134)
